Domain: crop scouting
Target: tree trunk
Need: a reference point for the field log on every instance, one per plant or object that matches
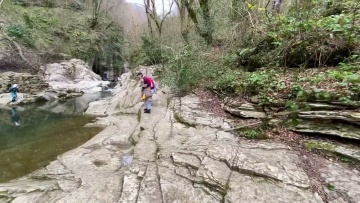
(208, 29)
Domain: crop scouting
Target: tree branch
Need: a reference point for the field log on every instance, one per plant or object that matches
(18, 47)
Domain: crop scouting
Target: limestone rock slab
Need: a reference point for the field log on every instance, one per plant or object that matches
(352, 117)
(245, 110)
(243, 189)
(277, 164)
(338, 129)
(178, 189)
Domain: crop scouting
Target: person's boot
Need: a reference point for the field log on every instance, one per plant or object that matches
(147, 111)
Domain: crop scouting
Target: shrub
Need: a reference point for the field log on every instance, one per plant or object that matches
(20, 32)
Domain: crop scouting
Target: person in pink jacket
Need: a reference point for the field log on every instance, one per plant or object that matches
(148, 90)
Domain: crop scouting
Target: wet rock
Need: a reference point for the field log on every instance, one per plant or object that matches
(5, 99)
(245, 110)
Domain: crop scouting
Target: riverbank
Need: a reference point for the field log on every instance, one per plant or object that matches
(179, 152)
(56, 81)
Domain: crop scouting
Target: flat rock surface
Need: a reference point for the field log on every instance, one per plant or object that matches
(178, 153)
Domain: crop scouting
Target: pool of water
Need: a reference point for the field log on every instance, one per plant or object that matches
(33, 136)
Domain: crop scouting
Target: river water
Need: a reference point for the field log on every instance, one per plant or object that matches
(33, 136)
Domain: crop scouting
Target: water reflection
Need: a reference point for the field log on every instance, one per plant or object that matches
(127, 159)
(15, 118)
(74, 105)
(33, 135)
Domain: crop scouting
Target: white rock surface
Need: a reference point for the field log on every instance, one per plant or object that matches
(74, 75)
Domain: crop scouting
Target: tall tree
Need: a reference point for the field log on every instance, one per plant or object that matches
(152, 15)
(184, 20)
(205, 30)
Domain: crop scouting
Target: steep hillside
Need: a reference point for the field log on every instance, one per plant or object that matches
(36, 32)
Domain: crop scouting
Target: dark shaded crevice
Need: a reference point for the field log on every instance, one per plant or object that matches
(227, 185)
(188, 154)
(330, 137)
(159, 182)
(256, 174)
(212, 187)
(142, 181)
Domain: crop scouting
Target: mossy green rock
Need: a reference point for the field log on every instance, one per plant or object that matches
(344, 152)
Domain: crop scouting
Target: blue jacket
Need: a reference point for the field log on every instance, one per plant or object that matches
(13, 89)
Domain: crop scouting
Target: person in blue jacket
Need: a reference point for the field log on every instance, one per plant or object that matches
(15, 118)
(14, 90)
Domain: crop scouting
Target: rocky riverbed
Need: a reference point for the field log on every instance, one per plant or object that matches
(180, 153)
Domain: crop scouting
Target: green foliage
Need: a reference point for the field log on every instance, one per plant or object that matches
(340, 84)
(20, 32)
(251, 134)
(305, 38)
(62, 30)
(185, 70)
(150, 53)
(331, 187)
(259, 133)
(153, 50)
(229, 82)
(20, 2)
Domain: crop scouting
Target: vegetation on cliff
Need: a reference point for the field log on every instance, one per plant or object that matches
(43, 31)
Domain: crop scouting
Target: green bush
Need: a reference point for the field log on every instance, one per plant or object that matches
(305, 38)
(153, 51)
(20, 32)
(185, 70)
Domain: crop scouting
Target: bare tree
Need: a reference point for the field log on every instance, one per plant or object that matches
(184, 20)
(148, 11)
(152, 15)
(96, 5)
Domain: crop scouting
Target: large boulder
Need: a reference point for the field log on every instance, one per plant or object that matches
(73, 74)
